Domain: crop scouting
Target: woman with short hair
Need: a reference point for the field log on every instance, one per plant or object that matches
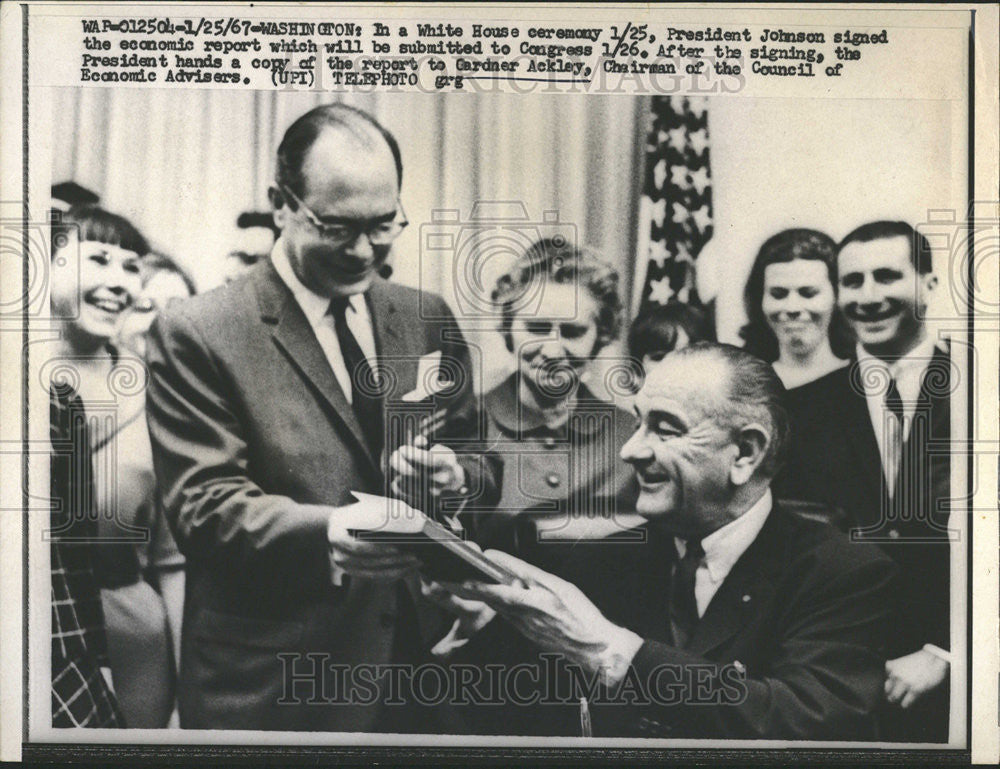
(96, 278)
(559, 441)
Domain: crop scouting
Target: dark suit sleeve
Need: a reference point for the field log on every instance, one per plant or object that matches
(465, 430)
(823, 683)
(200, 457)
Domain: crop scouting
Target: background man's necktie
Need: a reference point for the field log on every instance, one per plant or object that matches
(683, 605)
(894, 401)
(366, 388)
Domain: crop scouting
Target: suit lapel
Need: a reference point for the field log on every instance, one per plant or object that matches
(931, 422)
(935, 389)
(294, 336)
(860, 434)
(399, 339)
(746, 589)
(390, 333)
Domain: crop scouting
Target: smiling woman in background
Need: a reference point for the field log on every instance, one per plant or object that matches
(95, 280)
(559, 441)
(791, 306)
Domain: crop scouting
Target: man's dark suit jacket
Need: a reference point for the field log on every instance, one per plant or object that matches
(253, 441)
(790, 646)
(834, 459)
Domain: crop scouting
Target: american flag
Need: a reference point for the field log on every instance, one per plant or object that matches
(675, 210)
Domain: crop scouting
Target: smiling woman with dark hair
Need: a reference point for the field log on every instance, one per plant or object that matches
(791, 305)
(96, 280)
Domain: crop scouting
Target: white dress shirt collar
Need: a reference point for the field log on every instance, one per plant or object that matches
(316, 309)
(908, 371)
(315, 306)
(724, 547)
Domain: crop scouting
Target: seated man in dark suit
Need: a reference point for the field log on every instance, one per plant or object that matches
(733, 619)
(872, 439)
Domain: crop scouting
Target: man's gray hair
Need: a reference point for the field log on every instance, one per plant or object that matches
(754, 393)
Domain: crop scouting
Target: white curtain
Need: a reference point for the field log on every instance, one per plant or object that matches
(183, 164)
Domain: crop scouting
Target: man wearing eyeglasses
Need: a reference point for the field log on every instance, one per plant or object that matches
(268, 406)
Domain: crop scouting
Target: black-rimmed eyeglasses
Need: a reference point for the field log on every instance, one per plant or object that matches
(380, 231)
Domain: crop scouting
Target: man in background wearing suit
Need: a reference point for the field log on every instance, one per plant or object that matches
(734, 618)
(872, 439)
(267, 407)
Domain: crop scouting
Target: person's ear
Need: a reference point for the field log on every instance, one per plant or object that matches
(925, 288)
(278, 204)
(752, 443)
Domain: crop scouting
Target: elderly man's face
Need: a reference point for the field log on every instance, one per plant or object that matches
(345, 179)
(681, 456)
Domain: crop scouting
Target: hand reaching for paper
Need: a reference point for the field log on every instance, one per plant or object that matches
(557, 617)
(472, 616)
(419, 466)
(373, 560)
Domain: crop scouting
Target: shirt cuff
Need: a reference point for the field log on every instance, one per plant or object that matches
(938, 652)
(621, 651)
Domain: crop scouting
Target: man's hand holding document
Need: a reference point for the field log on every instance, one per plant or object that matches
(384, 538)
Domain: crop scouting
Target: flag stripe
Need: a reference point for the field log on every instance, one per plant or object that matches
(675, 210)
